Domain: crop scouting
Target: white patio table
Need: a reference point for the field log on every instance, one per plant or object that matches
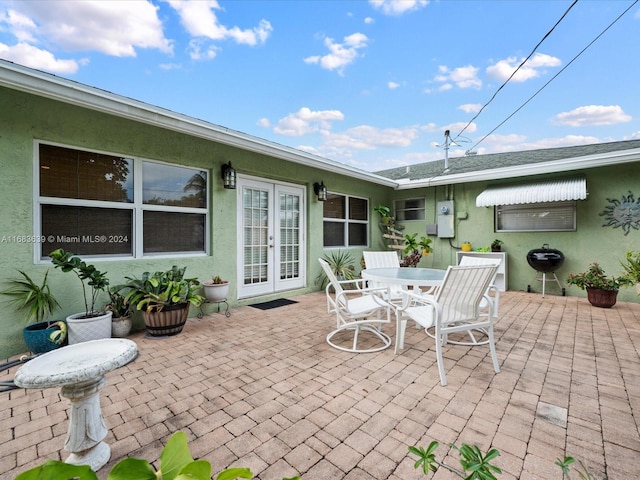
(80, 370)
(405, 276)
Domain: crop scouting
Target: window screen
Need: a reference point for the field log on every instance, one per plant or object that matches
(536, 217)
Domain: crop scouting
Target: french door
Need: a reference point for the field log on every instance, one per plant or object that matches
(271, 237)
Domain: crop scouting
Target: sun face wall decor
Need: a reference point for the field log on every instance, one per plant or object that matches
(623, 213)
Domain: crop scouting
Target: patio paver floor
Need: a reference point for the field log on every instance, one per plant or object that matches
(262, 389)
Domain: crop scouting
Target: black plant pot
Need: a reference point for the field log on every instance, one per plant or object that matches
(36, 337)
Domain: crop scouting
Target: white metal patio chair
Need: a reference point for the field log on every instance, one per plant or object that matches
(493, 292)
(454, 307)
(384, 260)
(357, 310)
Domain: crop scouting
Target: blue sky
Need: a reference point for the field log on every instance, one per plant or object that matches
(373, 84)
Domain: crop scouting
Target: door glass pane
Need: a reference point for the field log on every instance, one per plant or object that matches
(255, 233)
(289, 235)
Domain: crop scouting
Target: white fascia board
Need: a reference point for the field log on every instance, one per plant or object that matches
(50, 86)
(556, 166)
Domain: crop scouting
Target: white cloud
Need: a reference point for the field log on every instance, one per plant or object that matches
(592, 115)
(200, 50)
(533, 68)
(393, 85)
(33, 57)
(470, 107)
(263, 122)
(369, 20)
(340, 54)
(365, 137)
(462, 77)
(113, 28)
(516, 143)
(306, 121)
(398, 7)
(199, 19)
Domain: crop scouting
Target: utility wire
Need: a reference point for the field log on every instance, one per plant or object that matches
(516, 70)
(554, 77)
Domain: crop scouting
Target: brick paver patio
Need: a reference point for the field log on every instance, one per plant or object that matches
(262, 389)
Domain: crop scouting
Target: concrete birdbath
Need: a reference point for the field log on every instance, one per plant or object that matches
(80, 371)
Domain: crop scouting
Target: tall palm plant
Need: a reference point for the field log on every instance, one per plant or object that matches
(342, 264)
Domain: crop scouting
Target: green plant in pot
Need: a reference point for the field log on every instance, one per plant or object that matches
(164, 299)
(90, 324)
(37, 303)
(415, 249)
(631, 266)
(216, 290)
(121, 312)
(496, 245)
(342, 264)
(602, 290)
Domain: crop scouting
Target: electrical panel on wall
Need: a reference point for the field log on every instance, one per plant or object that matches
(446, 219)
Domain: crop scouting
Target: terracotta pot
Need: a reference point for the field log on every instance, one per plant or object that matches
(602, 298)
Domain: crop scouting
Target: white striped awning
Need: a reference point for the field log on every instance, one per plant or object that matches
(561, 190)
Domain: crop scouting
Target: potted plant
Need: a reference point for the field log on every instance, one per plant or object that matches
(216, 290)
(38, 303)
(164, 299)
(120, 313)
(415, 250)
(602, 291)
(342, 264)
(90, 324)
(385, 214)
(496, 245)
(631, 267)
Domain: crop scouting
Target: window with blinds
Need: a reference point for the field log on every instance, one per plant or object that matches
(96, 204)
(536, 217)
(346, 221)
(410, 209)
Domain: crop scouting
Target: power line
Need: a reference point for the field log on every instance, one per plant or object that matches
(555, 76)
(519, 67)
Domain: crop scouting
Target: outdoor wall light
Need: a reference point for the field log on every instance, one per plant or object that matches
(321, 191)
(228, 176)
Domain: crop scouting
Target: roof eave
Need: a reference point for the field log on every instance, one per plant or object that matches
(556, 166)
(50, 86)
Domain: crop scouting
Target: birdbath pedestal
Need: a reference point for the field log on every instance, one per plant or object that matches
(80, 372)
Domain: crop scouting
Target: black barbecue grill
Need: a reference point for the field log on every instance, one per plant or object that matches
(546, 260)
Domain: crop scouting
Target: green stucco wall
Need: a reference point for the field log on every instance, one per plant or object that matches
(25, 118)
(591, 242)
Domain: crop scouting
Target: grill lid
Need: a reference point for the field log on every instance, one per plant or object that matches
(545, 259)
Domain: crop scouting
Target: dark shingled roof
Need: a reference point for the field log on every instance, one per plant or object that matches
(491, 161)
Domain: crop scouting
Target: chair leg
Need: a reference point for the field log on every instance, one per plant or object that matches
(443, 376)
(492, 346)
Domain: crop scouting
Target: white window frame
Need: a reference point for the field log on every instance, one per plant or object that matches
(137, 207)
(536, 213)
(347, 221)
(400, 213)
